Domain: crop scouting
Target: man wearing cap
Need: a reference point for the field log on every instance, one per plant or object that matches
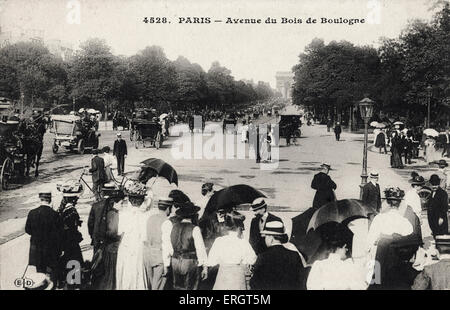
(153, 258)
(45, 228)
(437, 208)
(185, 252)
(324, 186)
(436, 276)
(98, 174)
(277, 268)
(371, 194)
(259, 208)
(120, 151)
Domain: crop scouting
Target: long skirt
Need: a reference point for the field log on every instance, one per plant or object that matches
(396, 160)
(230, 277)
(107, 281)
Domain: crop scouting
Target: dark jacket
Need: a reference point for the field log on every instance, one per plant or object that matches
(45, 228)
(325, 187)
(278, 269)
(255, 239)
(437, 207)
(97, 169)
(97, 225)
(372, 196)
(338, 129)
(120, 148)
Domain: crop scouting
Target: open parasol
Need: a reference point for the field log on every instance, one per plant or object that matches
(398, 123)
(431, 132)
(380, 125)
(341, 211)
(231, 196)
(374, 124)
(155, 167)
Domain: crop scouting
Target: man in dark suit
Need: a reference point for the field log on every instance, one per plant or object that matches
(120, 151)
(259, 208)
(277, 268)
(45, 228)
(371, 194)
(324, 187)
(437, 208)
(337, 131)
(98, 174)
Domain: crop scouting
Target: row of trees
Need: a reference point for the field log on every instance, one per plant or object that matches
(332, 77)
(96, 78)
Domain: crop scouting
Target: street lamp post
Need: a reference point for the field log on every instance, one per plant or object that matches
(366, 110)
(429, 89)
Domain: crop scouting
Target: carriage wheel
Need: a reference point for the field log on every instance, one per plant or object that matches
(6, 173)
(158, 140)
(81, 146)
(55, 148)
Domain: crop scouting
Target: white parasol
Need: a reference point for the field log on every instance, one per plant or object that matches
(380, 125)
(431, 132)
(374, 124)
(398, 123)
(163, 116)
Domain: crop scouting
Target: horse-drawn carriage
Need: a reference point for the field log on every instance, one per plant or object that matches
(147, 131)
(12, 159)
(289, 126)
(229, 120)
(72, 133)
(196, 119)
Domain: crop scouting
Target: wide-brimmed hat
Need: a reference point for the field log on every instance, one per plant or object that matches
(187, 209)
(258, 203)
(442, 163)
(135, 188)
(417, 180)
(435, 180)
(178, 197)
(274, 228)
(394, 193)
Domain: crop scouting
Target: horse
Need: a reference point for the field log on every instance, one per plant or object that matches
(31, 136)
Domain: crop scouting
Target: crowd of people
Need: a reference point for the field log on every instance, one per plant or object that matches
(145, 242)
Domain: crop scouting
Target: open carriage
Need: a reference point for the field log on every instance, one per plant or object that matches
(147, 131)
(12, 159)
(289, 126)
(73, 134)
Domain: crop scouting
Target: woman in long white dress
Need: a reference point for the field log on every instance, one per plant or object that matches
(132, 218)
(430, 150)
(233, 255)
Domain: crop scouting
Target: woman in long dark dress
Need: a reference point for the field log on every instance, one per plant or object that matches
(380, 141)
(396, 147)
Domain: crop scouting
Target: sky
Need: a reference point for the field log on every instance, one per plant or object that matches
(250, 51)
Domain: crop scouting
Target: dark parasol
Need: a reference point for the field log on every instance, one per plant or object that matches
(155, 167)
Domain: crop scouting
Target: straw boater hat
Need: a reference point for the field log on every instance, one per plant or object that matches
(326, 165)
(258, 203)
(274, 228)
(165, 202)
(374, 175)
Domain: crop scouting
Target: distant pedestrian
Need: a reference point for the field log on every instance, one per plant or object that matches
(120, 152)
(443, 173)
(324, 186)
(371, 195)
(446, 150)
(337, 131)
(329, 124)
(437, 208)
(45, 228)
(98, 174)
(380, 141)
